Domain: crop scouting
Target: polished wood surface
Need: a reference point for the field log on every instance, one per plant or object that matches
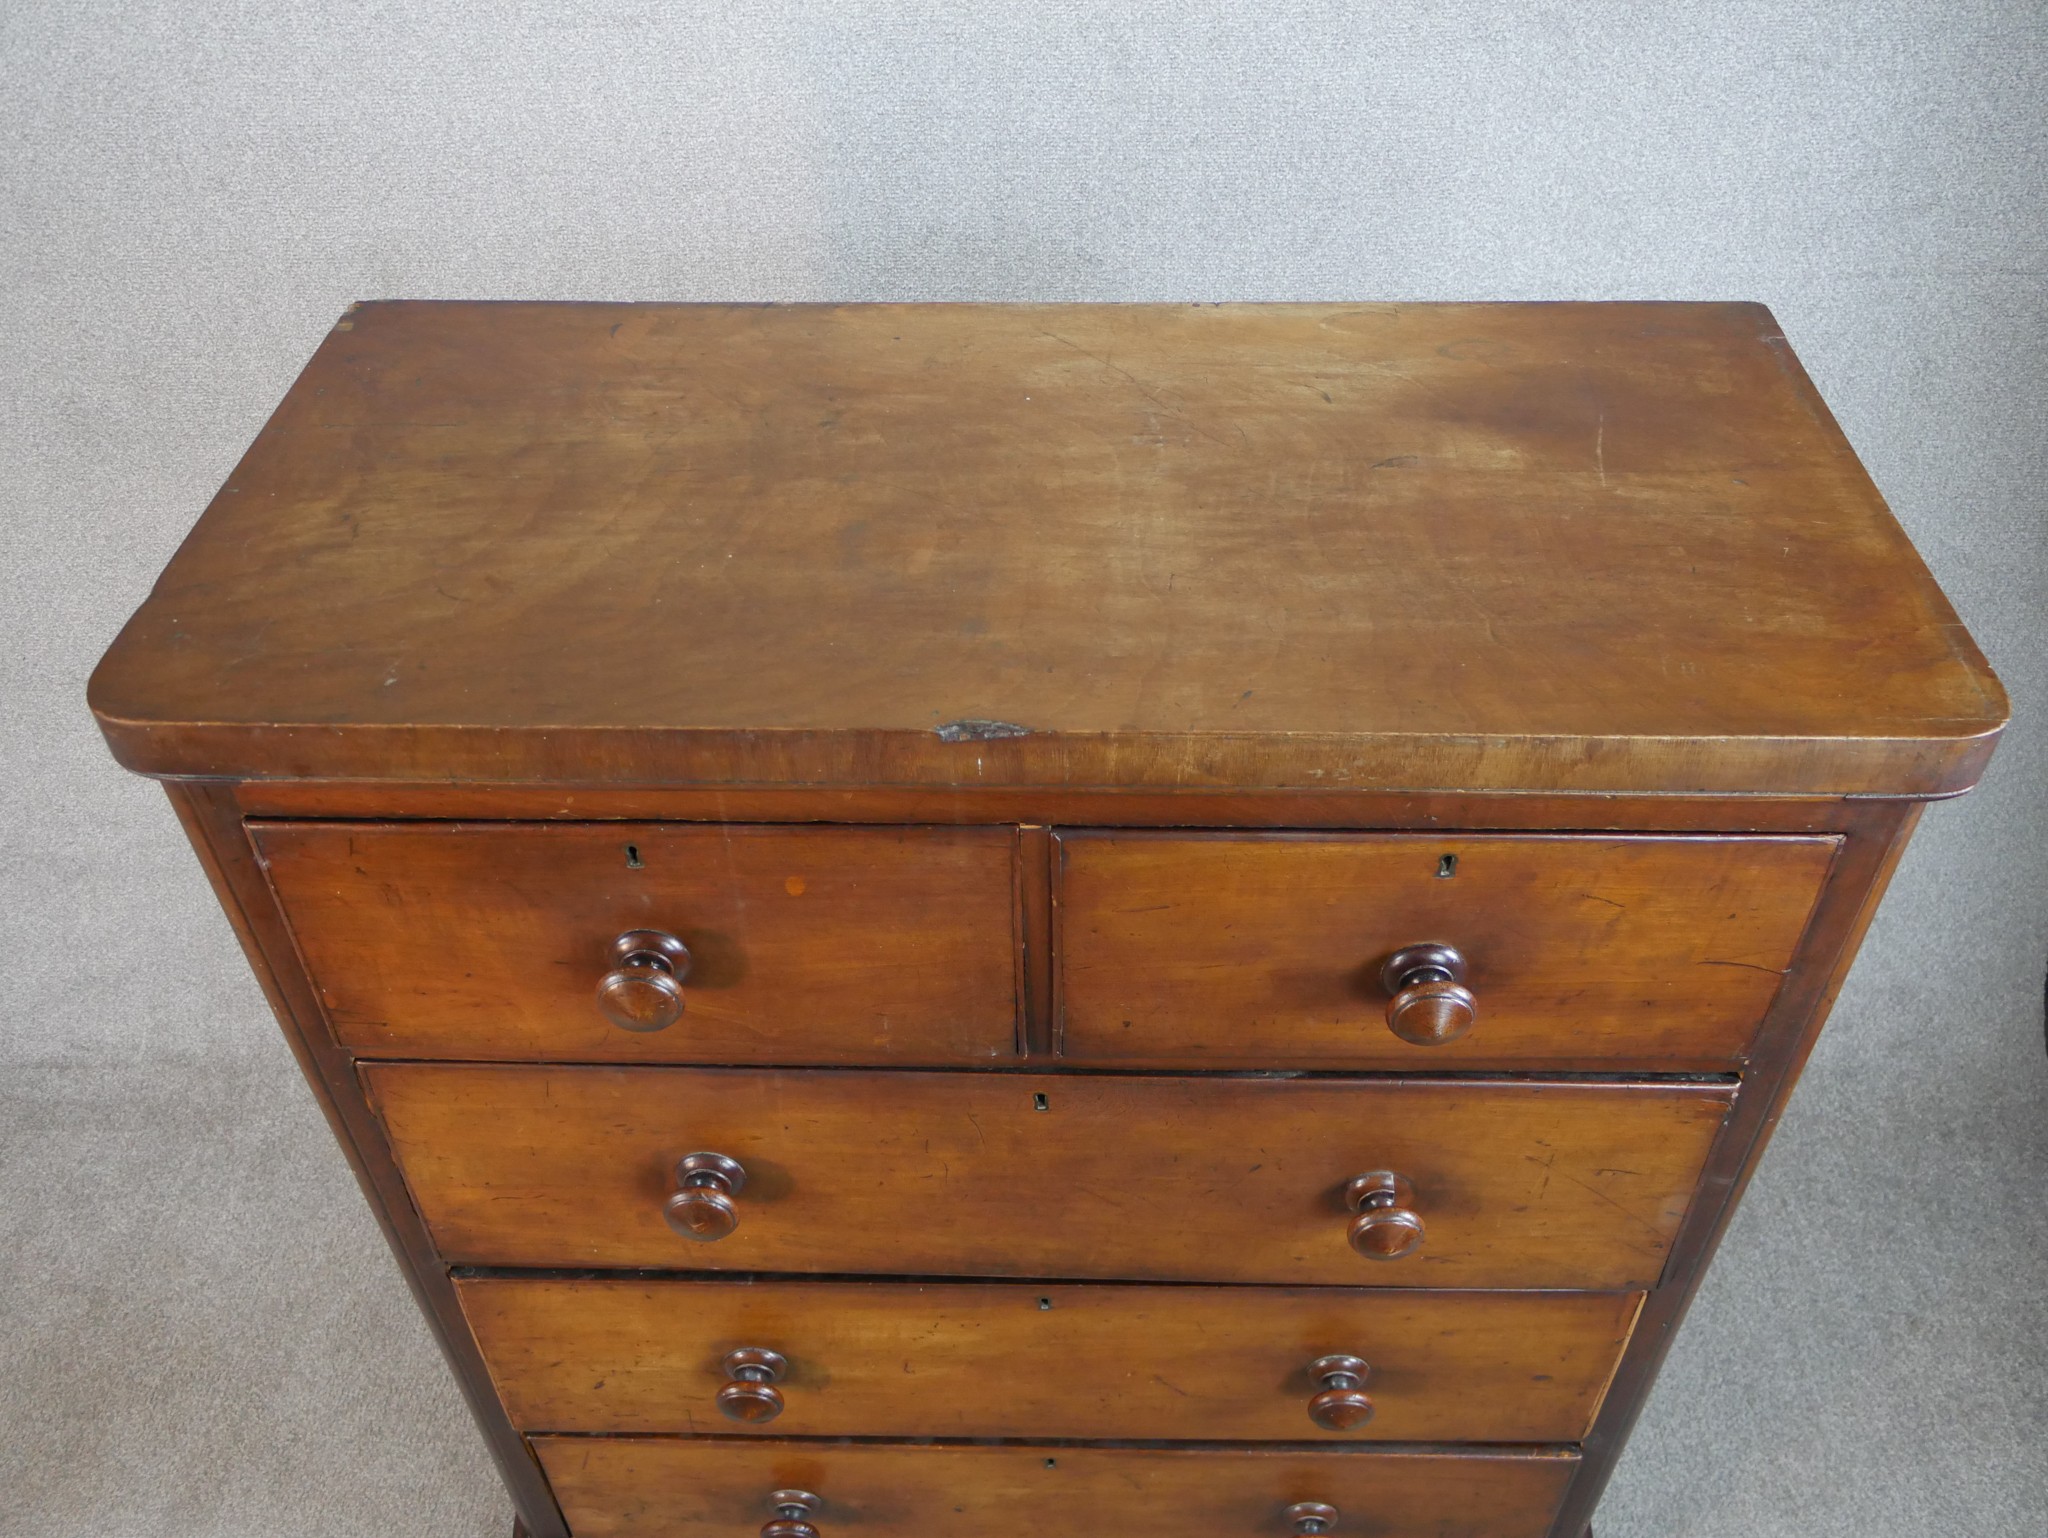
(1269, 950)
(807, 945)
(1601, 547)
(1382, 797)
(1044, 1360)
(1520, 1185)
(622, 1487)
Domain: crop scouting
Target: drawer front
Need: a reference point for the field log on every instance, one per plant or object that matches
(934, 1174)
(805, 944)
(625, 1487)
(1268, 950)
(1002, 1360)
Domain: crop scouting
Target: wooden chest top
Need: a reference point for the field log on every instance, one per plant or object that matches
(1579, 547)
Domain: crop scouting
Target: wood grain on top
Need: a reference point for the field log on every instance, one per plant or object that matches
(1613, 547)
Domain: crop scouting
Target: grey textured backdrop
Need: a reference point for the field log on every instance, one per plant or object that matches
(200, 1332)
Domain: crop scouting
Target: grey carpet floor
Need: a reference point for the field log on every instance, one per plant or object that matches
(201, 1335)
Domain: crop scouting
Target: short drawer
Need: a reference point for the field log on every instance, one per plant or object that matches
(1073, 1176)
(803, 945)
(1271, 950)
(628, 1487)
(996, 1359)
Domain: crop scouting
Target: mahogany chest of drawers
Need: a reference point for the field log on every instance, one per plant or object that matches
(1013, 920)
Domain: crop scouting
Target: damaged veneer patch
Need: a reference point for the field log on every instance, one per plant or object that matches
(972, 729)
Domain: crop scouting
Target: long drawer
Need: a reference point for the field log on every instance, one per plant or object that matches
(628, 1487)
(1475, 1183)
(780, 945)
(993, 1359)
(1264, 950)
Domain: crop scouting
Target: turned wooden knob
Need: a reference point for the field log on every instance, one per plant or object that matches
(793, 1509)
(1387, 1226)
(1340, 1406)
(644, 992)
(1428, 1003)
(1312, 1517)
(751, 1395)
(703, 1208)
